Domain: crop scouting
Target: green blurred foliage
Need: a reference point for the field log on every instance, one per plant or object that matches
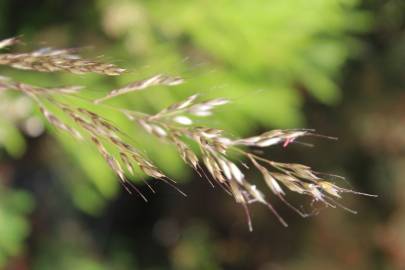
(15, 111)
(14, 226)
(195, 250)
(244, 46)
(72, 249)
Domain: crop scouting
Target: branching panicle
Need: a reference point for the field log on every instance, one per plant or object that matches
(174, 125)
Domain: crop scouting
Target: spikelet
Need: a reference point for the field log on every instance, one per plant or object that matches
(52, 60)
(141, 85)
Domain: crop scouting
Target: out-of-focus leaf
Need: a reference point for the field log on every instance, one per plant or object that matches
(14, 228)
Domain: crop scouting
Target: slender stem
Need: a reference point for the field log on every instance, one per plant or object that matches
(127, 113)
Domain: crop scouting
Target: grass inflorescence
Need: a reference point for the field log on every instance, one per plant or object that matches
(214, 159)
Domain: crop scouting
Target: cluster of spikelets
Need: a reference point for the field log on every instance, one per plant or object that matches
(174, 125)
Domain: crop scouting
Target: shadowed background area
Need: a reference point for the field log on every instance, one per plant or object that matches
(336, 66)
